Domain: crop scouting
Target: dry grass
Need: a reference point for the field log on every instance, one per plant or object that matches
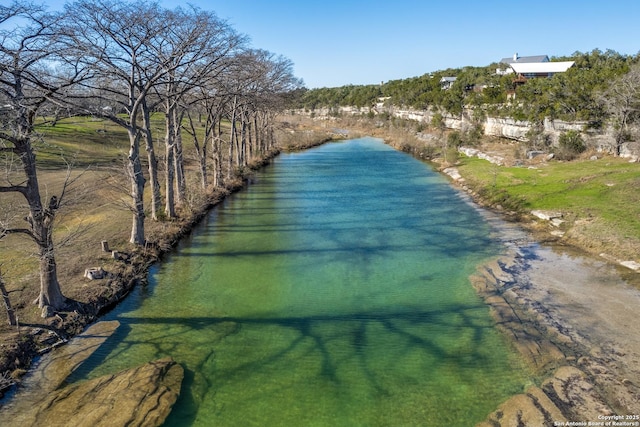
(89, 216)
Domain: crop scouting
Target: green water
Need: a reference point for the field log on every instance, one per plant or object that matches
(334, 291)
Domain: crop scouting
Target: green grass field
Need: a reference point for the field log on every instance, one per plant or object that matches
(81, 141)
(604, 191)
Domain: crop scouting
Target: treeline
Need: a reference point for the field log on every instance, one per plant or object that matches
(574, 95)
(123, 62)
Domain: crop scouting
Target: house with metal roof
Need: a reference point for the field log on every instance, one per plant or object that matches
(527, 67)
(530, 70)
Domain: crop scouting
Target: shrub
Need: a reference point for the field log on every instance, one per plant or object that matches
(474, 134)
(570, 144)
(427, 152)
(454, 139)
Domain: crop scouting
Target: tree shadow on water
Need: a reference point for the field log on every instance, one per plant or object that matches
(356, 335)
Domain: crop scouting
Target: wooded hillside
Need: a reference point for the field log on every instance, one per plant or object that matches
(582, 93)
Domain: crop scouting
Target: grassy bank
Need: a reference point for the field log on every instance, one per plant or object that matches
(597, 199)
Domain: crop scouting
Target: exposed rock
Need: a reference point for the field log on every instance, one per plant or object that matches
(135, 397)
(138, 396)
(577, 388)
(473, 152)
(141, 396)
(453, 173)
(533, 154)
(546, 215)
(493, 285)
(557, 222)
(631, 264)
(571, 391)
(533, 408)
(567, 395)
(95, 273)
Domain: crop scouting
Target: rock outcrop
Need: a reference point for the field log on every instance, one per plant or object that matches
(141, 396)
(582, 382)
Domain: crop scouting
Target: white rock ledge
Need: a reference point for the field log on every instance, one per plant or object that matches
(546, 215)
(453, 174)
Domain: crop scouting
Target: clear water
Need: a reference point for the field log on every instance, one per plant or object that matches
(334, 291)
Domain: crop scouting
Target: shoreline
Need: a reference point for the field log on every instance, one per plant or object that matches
(586, 376)
(32, 341)
(589, 367)
(566, 313)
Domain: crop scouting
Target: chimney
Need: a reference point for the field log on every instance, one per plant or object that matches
(515, 57)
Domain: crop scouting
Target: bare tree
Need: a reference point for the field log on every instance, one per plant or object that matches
(241, 83)
(115, 39)
(195, 47)
(32, 73)
(272, 82)
(622, 101)
(211, 100)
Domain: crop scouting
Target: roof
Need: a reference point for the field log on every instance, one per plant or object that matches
(541, 67)
(524, 59)
(448, 79)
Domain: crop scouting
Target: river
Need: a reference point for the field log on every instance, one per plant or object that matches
(333, 291)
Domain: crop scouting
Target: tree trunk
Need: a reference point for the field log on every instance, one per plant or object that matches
(204, 179)
(242, 160)
(236, 148)
(181, 183)
(216, 152)
(152, 160)
(134, 169)
(256, 135)
(41, 224)
(232, 137)
(201, 151)
(170, 208)
(7, 303)
(50, 294)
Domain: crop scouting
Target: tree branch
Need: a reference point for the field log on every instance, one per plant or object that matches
(14, 189)
(26, 231)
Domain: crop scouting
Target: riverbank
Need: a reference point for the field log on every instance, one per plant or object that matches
(570, 316)
(571, 335)
(89, 300)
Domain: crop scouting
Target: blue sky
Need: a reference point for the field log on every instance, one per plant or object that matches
(334, 43)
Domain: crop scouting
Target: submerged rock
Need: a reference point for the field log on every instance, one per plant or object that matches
(141, 396)
(55, 367)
